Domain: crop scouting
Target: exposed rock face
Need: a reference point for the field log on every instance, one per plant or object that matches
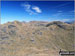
(36, 38)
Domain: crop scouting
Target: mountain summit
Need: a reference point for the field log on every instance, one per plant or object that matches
(37, 37)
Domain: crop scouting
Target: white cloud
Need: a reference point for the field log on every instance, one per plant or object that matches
(37, 9)
(31, 9)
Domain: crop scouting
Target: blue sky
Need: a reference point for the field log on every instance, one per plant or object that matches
(37, 11)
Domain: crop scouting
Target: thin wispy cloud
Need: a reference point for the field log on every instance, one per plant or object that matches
(27, 8)
(61, 13)
(73, 11)
(31, 9)
(62, 5)
(57, 14)
(63, 16)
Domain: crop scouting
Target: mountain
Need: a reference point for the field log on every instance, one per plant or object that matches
(36, 38)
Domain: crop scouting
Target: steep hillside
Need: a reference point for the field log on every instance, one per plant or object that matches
(35, 38)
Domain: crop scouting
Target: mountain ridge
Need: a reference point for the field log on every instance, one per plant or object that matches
(37, 36)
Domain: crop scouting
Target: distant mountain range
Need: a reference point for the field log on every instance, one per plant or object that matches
(36, 38)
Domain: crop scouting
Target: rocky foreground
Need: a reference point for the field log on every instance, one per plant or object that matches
(35, 38)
